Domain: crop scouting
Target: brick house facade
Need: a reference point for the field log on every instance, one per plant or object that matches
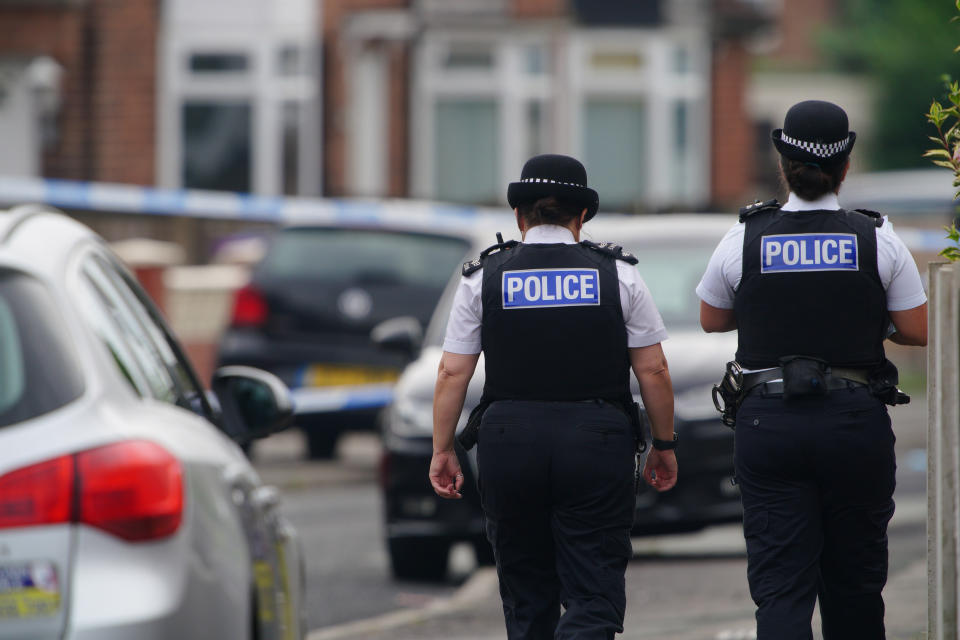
(105, 126)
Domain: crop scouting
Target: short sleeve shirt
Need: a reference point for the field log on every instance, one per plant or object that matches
(642, 319)
(898, 271)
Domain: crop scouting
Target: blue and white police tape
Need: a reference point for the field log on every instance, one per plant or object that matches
(312, 400)
(120, 198)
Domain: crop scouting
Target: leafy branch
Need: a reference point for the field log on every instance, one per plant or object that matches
(946, 153)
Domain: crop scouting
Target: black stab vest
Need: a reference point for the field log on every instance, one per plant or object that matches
(799, 295)
(542, 348)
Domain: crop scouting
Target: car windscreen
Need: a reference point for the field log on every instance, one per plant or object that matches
(38, 369)
(361, 256)
(671, 271)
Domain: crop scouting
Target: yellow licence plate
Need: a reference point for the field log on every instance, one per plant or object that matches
(332, 375)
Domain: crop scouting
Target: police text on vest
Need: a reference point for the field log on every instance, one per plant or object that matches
(809, 252)
(532, 288)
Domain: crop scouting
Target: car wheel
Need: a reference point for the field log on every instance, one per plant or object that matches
(321, 442)
(418, 559)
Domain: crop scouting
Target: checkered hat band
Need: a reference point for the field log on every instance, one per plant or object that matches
(549, 181)
(816, 148)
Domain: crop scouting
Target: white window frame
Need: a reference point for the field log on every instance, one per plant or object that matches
(505, 83)
(659, 87)
(564, 92)
(261, 85)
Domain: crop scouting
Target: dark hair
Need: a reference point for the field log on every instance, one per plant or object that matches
(810, 181)
(549, 210)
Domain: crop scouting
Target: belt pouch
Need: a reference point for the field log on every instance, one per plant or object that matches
(803, 377)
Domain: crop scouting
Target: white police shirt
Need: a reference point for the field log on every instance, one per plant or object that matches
(898, 271)
(643, 322)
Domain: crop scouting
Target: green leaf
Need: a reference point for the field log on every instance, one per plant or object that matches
(938, 152)
(944, 164)
(956, 182)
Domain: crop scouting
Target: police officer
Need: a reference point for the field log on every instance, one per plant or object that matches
(813, 291)
(561, 323)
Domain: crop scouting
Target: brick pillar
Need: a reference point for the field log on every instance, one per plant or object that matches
(124, 65)
(731, 159)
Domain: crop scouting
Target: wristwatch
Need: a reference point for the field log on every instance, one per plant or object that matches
(666, 445)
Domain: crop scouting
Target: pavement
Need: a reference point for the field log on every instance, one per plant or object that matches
(720, 609)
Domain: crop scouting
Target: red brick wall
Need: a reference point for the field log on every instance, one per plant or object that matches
(798, 25)
(124, 61)
(107, 49)
(58, 33)
(539, 8)
(731, 150)
(336, 97)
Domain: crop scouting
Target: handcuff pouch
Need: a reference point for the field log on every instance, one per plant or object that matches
(803, 377)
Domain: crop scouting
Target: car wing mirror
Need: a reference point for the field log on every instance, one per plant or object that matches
(253, 403)
(403, 335)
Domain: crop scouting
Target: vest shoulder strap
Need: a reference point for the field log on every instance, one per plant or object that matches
(875, 216)
(472, 266)
(613, 250)
(758, 207)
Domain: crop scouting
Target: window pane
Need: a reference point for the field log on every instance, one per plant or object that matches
(290, 147)
(124, 319)
(155, 337)
(218, 62)
(217, 145)
(466, 151)
(536, 129)
(469, 57)
(290, 61)
(681, 148)
(615, 142)
(537, 60)
(38, 370)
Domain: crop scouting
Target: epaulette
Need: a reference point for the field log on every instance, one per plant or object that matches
(877, 217)
(473, 265)
(757, 207)
(612, 250)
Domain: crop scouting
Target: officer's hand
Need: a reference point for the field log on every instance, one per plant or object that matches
(445, 474)
(660, 470)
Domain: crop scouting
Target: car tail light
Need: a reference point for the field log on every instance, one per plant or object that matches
(131, 489)
(249, 308)
(39, 494)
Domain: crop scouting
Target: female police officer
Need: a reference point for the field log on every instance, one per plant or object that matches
(560, 325)
(813, 291)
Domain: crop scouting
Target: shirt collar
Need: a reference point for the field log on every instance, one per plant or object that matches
(549, 234)
(826, 202)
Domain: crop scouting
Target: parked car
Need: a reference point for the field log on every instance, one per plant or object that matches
(127, 508)
(311, 304)
(673, 251)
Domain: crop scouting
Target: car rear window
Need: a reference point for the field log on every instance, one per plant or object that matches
(361, 256)
(38, 370)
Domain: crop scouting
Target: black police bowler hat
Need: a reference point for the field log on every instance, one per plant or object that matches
(554, 175)
(815, 131)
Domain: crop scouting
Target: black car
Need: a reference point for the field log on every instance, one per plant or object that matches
(311, 304)
(673, 252)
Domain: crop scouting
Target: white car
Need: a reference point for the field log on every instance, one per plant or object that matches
(127, 508)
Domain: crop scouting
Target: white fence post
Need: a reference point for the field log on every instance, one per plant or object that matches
(943, 452)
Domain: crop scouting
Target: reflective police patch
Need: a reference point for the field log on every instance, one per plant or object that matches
(531, 288)
(809, 252)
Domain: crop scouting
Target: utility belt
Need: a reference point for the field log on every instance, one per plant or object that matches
(468, 436)
(800, 377)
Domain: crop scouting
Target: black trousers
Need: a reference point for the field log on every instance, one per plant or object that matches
(817, 477)
(556, 481)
